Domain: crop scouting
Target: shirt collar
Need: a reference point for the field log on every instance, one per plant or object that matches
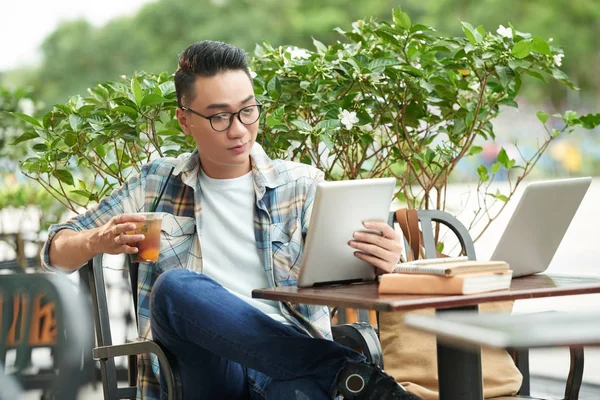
(264, 171)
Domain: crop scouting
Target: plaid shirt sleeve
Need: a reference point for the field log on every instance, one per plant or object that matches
(129, 198)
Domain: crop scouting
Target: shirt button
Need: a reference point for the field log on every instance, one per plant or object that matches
(286, 244)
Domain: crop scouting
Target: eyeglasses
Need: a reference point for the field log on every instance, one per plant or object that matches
(222, 121)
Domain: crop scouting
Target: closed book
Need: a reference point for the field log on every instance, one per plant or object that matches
(451, 268)
(470, 283)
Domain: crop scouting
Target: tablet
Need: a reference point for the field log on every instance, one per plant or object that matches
(338, 211)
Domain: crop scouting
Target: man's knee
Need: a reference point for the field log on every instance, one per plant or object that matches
(168, 285)
(172, 285)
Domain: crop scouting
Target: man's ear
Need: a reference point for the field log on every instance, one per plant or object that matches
(183, 121)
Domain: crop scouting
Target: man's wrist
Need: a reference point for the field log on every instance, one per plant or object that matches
(92, 242)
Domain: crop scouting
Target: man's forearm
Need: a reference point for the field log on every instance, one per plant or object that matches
(69, 250)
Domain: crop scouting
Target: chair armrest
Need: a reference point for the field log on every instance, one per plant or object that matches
(360, 335)
(167, 361)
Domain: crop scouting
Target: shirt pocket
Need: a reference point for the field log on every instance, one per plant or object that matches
(287, 245)
(176, 238)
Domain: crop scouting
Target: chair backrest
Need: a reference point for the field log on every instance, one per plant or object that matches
(108, 368)
(426, 219)
(45, 310)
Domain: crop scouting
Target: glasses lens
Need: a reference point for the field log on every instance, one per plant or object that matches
(220, 122)
(250, 114)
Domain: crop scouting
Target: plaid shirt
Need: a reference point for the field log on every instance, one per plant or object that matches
(284, 195)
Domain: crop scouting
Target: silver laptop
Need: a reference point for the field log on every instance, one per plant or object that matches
(539, 223)
(339, 209)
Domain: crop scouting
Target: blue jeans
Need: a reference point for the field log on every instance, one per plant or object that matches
(227, 349)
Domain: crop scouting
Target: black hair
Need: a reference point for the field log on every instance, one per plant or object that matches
(206, 58)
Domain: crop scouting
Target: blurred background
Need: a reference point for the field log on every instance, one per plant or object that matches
(51, 51)
(57, 49)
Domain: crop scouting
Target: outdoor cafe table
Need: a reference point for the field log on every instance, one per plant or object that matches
(459, 372)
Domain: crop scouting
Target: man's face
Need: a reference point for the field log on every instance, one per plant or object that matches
(223, 154)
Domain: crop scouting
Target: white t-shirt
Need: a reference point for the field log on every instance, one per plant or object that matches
(226, 232)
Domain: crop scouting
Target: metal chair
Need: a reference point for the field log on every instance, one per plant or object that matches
(360, 336)
(105, 352)
(33, 304)
(521, 357)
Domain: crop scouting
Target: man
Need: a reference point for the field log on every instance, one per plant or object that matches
(251, 215)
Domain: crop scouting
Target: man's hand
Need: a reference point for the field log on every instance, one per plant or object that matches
(112, 237)
(383, 251)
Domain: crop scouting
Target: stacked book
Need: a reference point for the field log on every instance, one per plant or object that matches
(451, 275)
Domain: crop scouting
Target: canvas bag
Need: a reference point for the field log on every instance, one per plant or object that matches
(410, 356)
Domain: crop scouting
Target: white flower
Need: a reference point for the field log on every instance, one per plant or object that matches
(348, 118)
(558, 59)
(506, 32)
(367, 128)
(474, 85)
(26, 106)
(252, 73)
(296, 53)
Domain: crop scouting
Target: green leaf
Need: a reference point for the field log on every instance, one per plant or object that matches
(301, 124)
(83, 193)
(475, 150)
(590, 121)
(278, 113)
(65, 176)
(569, 117)
(25, 137)
(152, 99)
(498, 196)
(27, 118)
(383, 62)
(471, 33)
(130, 112)
(167, 87)
(75, 121)
(562, 77)
(401, 20)
(521, 49)
(505, 75)
(542, 116)
(481, 31)
(328, 142)
(136, 88)
(440, 247)
(429, 155)
(321, 48)
(509, 103)
(503, 157)
(40, 147)
(483, 173)
(540, 45)
(495, 167)
(274, 87)
(514, 64)
(536, 75)
(328, 124)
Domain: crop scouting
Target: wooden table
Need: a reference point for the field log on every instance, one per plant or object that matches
(463, 383)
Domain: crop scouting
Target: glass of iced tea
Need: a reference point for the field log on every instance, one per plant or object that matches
(148, 248)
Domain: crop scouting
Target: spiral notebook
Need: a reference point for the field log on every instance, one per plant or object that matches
(450, 267)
